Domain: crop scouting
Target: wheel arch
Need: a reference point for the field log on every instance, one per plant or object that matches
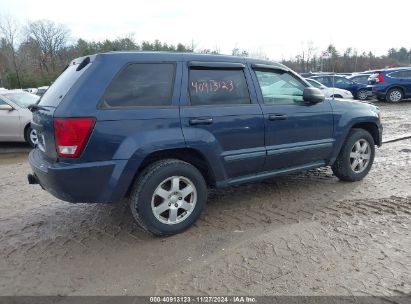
(396, 86)
(189, 155)
(369, 126)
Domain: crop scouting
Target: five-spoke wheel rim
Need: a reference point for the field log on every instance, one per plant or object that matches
(174, 200)
(360, 155)
(395, 96)
(33, 137)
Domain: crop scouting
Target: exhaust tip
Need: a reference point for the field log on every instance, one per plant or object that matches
(32, 179)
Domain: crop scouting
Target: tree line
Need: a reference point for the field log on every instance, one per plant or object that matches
(348, 61)
(34, 54)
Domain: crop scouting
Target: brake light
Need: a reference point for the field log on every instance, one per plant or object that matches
(379, 78)
(71, 135)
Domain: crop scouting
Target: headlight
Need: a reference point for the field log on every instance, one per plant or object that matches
(380, 115)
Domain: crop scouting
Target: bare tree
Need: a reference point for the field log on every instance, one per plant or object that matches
(10, 30)
(49, 38)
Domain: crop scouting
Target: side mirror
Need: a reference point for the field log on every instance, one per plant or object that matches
(313, 95)
(6, 107)
(323, 87)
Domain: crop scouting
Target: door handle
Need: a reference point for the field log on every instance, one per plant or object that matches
(201, 121)
(277, 117)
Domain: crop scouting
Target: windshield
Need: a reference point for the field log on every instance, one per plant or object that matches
(22, 99)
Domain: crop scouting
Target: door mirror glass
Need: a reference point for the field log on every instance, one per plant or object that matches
(313, 95)
(5, 107)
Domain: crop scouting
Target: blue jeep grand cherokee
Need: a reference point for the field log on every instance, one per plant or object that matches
(159, 128)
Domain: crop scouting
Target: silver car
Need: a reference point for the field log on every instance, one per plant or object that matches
(15, 118)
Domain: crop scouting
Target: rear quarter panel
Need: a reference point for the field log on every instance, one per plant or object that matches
(128, 134)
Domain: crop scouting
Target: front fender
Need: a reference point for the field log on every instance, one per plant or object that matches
(347, 115)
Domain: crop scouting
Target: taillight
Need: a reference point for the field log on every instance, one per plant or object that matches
(379, 78)
(71, 135)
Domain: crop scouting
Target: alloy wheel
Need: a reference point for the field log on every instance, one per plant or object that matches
(174, 200)
(33, 137)
(360, 155)
(395, 96)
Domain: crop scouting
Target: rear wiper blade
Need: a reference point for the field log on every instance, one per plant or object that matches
(36, 107)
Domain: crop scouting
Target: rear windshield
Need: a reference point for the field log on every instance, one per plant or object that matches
(373, 76)
(61, 86)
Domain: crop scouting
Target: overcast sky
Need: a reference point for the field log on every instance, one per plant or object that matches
(277, 28)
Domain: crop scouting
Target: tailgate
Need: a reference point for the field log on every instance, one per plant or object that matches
(43, 115)
(43, 123)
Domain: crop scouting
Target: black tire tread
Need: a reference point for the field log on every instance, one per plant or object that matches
(27, 131)
(340, 169)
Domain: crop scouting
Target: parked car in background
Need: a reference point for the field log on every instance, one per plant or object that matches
(41, 90)
(15, 117)
(159, 128)
(359, 91)
(330, 92)
(359, 78)
(31, 90)
(392, 85)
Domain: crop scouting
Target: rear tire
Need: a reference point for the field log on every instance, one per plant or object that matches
(356, 156)
(362, 95)
(30, 136)
(394, 95)
(168, 197)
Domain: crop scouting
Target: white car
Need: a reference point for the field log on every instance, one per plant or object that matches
(330, 92)
(15, 117)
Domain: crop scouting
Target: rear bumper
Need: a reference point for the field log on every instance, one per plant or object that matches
(375, 91)
(90, 182)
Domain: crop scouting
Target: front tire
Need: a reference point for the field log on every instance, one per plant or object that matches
(394, 95)
(168, 197)
(356, 156)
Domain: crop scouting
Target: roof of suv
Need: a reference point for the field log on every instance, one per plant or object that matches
(190, 56)
(397, 69)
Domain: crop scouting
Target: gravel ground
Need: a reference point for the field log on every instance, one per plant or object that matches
(303, 234)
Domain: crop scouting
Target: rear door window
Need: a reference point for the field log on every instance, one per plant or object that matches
(218, 87)
(340, 81)
(360, 79)
(398, 74)
(323, 80)
(141, 84)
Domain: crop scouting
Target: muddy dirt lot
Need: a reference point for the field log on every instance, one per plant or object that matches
(304, 234)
